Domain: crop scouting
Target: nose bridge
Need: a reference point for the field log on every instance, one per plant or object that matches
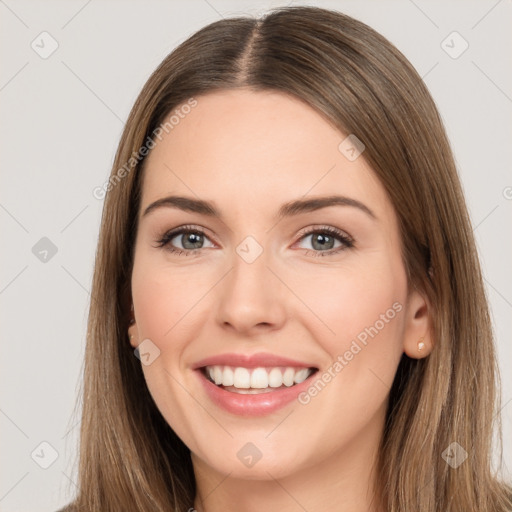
(250, 294)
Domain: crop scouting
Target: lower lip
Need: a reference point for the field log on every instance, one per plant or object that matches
(252, 405)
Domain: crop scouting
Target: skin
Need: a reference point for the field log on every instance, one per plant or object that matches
(248, 153)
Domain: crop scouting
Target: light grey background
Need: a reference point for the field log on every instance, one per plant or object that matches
(61, 121)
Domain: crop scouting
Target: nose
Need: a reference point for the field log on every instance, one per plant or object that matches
(251, 298)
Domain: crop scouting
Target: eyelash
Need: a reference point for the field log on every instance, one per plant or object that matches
(346, 240)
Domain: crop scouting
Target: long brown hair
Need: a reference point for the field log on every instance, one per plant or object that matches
(130, 459)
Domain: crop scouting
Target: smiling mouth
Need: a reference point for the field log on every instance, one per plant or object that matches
(250, 381)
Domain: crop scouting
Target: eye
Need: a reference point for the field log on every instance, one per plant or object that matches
(186, 239)
(325, 241)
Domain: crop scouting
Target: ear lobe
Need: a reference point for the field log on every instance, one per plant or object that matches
(132, 329)
(417, 342)
(133, 335)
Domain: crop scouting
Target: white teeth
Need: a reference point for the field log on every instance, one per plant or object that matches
(288, 376)
(275, 378)
(257, 378)
(228, 377)
(301, 375)
(241, 378)
(217, 375)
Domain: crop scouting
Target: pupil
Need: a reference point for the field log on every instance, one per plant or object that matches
(195, 241)
(321, 241)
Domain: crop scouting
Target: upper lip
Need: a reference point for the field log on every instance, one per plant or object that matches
(250, 361)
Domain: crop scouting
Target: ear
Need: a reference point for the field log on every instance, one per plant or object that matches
(133, 335)
(133, 331)
(418, 342)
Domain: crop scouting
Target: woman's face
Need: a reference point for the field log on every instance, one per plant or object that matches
(291, 265)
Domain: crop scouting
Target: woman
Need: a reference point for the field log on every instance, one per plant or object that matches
(288, 310)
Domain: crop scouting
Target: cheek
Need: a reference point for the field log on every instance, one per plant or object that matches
(156, 306)
(361, 329)
(161, 299)
(365, 310)
(362, 304)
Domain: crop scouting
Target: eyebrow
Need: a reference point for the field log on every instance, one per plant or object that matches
(287, 209)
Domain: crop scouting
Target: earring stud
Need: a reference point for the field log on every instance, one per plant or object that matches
(421, 345)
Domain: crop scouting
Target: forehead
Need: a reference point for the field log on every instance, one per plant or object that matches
(240, 147)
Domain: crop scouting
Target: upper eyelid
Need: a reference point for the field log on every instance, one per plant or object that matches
(187, 229)
(170, 234)
(318, 228)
